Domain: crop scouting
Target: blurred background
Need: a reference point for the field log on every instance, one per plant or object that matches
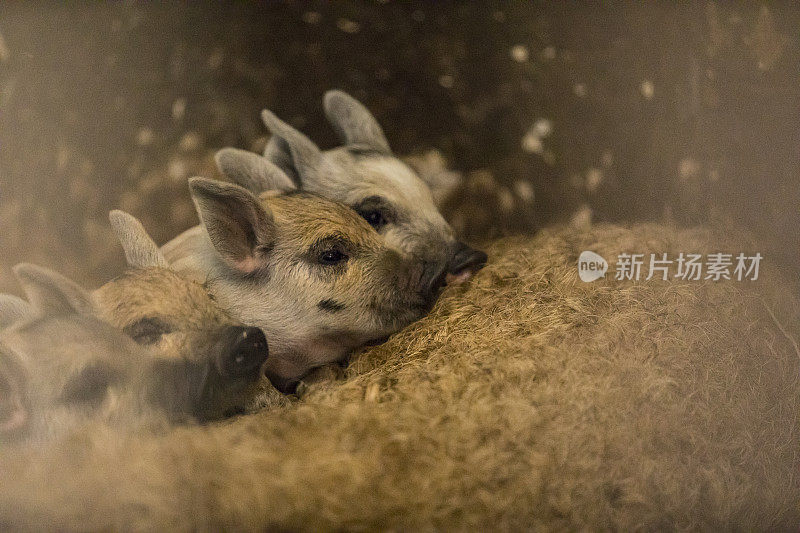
(686, 113)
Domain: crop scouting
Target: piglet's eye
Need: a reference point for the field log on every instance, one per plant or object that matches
(375, 218)
(148, 330)
(376, 211)
(332, 257)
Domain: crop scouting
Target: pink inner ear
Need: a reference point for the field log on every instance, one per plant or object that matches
(246, 265)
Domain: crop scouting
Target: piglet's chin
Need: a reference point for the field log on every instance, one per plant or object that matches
(461, 277)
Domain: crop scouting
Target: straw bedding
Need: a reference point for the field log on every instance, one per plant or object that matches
(526, 399)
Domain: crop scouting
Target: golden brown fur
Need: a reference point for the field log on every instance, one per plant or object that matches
(264, 260)
(179, 300)
(305, 218)
(159, 292)
(525, 400)
(61, 367)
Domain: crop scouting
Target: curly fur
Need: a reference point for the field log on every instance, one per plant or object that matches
(525, 400)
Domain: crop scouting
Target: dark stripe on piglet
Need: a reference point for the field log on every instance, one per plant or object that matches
(330, 305)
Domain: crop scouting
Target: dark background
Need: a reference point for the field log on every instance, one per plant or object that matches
(687, 113)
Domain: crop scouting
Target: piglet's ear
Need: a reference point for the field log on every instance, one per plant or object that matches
(51, 293)
(279, 153)
(13, 309)
(140, 249)
(240, 228)
(431, 167)
(354, 124)
(306, 157)
(253, 172)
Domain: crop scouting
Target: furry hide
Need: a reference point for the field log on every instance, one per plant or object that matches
(526, 400)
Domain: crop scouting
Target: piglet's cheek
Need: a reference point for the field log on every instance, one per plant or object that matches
(283, 374)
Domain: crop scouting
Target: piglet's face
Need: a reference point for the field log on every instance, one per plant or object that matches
(311, 272)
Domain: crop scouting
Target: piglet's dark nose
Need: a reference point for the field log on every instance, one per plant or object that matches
(245, 352)
(466, 258)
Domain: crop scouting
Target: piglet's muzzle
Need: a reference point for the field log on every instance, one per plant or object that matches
(242, 352)
(464, 263)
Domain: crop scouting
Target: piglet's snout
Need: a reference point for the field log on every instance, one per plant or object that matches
(242, 352)
(464, 262)
(433, 279)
